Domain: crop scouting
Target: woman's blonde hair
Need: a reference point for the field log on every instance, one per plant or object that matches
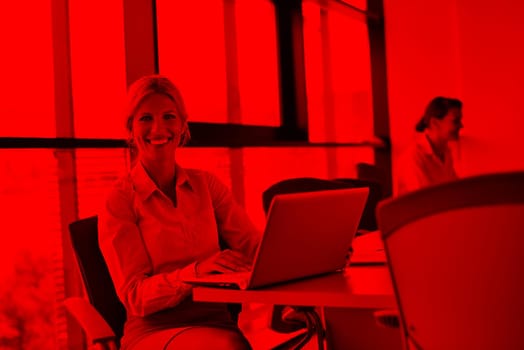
(155, 84)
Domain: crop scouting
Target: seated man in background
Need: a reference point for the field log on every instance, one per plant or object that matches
(428, 161)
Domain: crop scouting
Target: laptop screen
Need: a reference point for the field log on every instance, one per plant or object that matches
(307, 234)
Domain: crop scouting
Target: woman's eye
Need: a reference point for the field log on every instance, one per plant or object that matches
(145, 118)
(169, 116)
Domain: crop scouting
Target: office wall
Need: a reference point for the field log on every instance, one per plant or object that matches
(467, 49)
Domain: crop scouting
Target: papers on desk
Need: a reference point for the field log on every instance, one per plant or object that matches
(368, 249)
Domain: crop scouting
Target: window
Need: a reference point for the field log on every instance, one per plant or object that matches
(27, 99)
(257, 62)
(260, 167)
(263, 166)
(31, 270)
(227, 58)
(96, 171)
(338, 74)
(98, 68)
(223, 58)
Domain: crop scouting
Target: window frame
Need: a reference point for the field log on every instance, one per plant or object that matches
(141, 55)
(140, 18)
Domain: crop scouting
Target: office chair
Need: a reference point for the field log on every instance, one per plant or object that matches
(368, 221)
(283, 319)
(456, 262)
(103, 317)
(373, 173)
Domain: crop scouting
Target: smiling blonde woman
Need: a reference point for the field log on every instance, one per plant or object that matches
(161, 223)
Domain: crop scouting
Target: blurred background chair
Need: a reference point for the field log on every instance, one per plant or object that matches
(456, 262)
(286, 319)
(368, 221)
(372, 173)
(103, 300)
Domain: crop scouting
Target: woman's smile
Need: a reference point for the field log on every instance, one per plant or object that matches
(159, 141)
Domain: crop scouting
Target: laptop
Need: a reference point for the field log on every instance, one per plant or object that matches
(306, 234)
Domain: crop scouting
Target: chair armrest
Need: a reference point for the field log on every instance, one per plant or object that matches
(96, 328)
(284, 319)
(388, 318)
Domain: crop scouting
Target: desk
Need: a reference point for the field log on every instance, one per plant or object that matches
(361, 287)
(357, 287)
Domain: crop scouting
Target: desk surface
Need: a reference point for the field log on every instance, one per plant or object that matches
(357, 287)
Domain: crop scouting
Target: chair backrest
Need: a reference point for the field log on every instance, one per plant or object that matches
(311, 184)
(368, 221)
(455, 253)
(374, 173)
(95, 275)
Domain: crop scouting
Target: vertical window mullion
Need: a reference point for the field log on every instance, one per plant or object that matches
(292, 69)
(65, 162)
(377, 46)
(234, 113)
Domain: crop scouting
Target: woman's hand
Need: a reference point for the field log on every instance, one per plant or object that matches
(222, 262)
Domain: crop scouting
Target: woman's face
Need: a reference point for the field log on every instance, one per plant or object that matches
(157, 128)
(449, 127)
